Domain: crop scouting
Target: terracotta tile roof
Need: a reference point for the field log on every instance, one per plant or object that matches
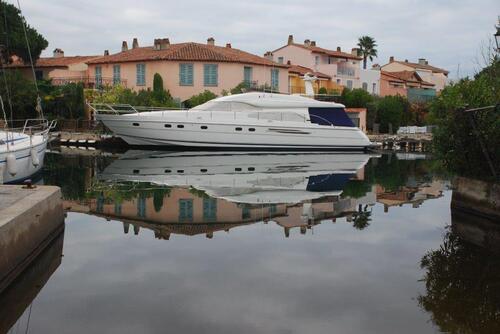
(317, 49)
(53, 62)
(186, 52)
(301, 70)
(407, 77)
(423, 66)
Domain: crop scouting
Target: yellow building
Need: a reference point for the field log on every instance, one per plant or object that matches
(297, 86)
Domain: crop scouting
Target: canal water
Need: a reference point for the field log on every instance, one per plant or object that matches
(207, 242)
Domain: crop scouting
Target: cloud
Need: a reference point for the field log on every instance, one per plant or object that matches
(447, 33)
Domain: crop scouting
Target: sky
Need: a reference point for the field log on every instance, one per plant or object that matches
(449, 34)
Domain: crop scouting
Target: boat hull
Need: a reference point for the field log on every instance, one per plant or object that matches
(149, 131)
(25, 167)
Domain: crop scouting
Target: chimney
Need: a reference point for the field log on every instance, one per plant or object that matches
(58, 53)
(307, 42)
(210, 41)
(124, 46)
(106, 52)
(135, 44)
(376, 67)
(288, 62)
(290, 39)
(228, 45)
(338, 49)
(355, 52)
(391, 59)
(406, 60)
(313, 43)
(421, 61)
(268, 55)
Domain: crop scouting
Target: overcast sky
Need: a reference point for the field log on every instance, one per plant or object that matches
(447, 33)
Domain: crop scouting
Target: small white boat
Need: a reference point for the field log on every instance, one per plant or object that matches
(22, 151)
(264, 177)
(250, 121)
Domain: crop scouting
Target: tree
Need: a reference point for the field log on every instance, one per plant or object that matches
(201, 98)
(157, 83)
(22, 95)
(356, 98)
(367, 48)
(14, 40)
(391, 110)
(455, 142)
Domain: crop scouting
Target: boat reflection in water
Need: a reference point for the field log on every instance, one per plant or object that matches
(203, 192)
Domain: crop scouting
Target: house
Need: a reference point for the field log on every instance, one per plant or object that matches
(59, 68)
(428, 73)
(189, 68)
(342, 67)
(408, 84)
(296, 84)
(370, 80)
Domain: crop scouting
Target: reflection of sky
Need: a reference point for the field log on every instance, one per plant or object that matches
(252, 280)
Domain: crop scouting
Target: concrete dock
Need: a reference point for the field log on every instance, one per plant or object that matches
(29, 220)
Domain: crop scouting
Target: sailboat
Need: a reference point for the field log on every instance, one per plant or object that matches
(22, 150)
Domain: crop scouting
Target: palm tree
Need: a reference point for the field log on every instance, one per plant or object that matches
(367, 48)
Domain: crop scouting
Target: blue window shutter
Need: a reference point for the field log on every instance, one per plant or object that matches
(206, 74)
(186, 74)
(190, 74)
(210, 74)
(274, 78)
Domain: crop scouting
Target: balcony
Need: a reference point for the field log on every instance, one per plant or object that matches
(346, 71)
(87, 81)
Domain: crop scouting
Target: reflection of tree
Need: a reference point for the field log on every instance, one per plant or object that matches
(126, 191)
(463, 287)
(361, 218)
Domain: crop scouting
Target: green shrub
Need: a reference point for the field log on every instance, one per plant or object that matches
(323, 91)
(201, 98)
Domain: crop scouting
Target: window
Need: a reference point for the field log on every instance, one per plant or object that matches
(186, 74)
(365, 86)
(116, 75)
(210, 74)
(209, 209)
(39, 75)
(374, 88)
(280, 60)
(349, 84)
(98, 76)
(141, 207)
(185, 210)
(141, 74)
(245, 212)
(339, 81)
(118, 209)
(275, 75)
(316, 60)
(247, 75)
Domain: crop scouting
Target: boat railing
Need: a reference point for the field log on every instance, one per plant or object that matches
(119, 109)
(30, 127)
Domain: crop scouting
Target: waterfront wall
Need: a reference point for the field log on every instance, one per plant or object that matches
(476, 197)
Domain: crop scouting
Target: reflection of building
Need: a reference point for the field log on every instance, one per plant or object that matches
(414, 195)
(188, 212)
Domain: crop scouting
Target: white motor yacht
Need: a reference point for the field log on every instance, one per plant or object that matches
(250, 120)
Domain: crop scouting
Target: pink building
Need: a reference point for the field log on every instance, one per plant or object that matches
(189, 68)
(59, 68)
(342, 67)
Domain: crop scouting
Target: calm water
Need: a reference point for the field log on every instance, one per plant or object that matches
(192, 242)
